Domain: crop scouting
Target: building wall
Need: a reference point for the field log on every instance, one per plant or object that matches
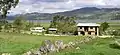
(52, 32)
(88, 31)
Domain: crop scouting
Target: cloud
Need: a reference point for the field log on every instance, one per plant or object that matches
(52, 6)
(53, 0)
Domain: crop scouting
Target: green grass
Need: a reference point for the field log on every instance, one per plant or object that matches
(46, 25)
(95, 47)
(114, 25)
(17, 43)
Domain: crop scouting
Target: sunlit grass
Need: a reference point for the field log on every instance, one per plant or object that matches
(95, 47)
(17, 43)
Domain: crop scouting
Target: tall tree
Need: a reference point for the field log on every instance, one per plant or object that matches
(64, 24)
(19, 23)
(6, 5)
(104, 26)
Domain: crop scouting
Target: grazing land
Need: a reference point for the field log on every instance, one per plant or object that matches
(95, 47)
(18, 44)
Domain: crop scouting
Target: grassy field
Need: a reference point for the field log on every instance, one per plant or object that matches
(95, 47)
(17, 43)
(113, 25)
(46, 25)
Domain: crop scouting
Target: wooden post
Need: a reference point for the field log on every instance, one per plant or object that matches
(86, 33)
(79, 33)
(97, 31)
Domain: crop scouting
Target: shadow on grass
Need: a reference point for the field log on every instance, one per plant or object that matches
(114, 46)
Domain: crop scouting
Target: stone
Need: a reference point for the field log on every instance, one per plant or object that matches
(6, 54)
(78, 48)
(81, 41)
(37, 53)
(117, 42)
(71, 43)
(29, 53)
(66, 46)
(87, 40)
(52, 48)
(49, 45)
(59, 45)
(43, 50)
(47, 42)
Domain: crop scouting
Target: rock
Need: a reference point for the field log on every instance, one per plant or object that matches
(87, 40)
(66, 46)
(37, 53)
(78, 48)
(49, 45)
(52, 48)
(90, 37)
(71, 43)
(43, 50)
(117, 42)
(81, 42)
(47, 42)
(29, 53)
(59, 45)
(6, 54)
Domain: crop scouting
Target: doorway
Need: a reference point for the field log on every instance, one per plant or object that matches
(83, 33)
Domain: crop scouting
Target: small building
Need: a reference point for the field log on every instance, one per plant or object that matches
(52, 30)
(37, 29)
(88, 29)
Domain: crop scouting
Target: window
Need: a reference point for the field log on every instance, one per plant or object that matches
(91, 27)
(80, 27)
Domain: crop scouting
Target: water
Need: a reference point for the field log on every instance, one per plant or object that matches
(78, 21)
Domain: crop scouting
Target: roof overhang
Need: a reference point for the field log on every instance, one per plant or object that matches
(88, 24)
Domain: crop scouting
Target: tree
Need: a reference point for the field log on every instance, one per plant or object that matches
(64, 24)
(3, 23)
(7, 26)
(29, 25)
(104, 26)
(6, 5)
(19, 23)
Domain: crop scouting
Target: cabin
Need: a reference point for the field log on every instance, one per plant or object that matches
(37, 29)
(88, 29)
(52, 30)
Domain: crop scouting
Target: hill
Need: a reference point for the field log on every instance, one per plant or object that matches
(82, 13)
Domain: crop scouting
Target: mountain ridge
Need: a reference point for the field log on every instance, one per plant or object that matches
(82, 13)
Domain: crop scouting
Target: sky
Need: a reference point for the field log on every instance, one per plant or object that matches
(53, 6)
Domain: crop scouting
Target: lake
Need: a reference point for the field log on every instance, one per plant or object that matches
(78, 21)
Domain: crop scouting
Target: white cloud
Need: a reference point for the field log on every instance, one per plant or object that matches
(51, 6)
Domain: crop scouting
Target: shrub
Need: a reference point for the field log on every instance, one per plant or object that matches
(112, 32)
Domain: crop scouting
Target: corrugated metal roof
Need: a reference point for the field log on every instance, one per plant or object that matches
(88, 24)
(37, 28)
(52, 28)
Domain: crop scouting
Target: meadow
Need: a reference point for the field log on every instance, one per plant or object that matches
(95, 47)
(17, 44)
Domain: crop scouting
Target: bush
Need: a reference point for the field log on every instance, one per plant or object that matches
(112, 32)
(115, 46)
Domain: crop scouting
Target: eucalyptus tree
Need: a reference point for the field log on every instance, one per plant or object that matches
(6, 5)
(64, 24)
